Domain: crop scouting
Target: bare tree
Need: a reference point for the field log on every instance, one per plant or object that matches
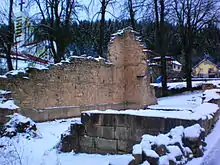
(191, 16)
(56, 17)
(159, 11)
(131, 13)
(7, 36)
(103, 10)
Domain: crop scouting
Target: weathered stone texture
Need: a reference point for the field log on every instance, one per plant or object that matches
(123, 131)
(85, 84)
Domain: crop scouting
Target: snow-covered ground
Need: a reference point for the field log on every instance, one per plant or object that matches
(185, 106)
(41, 150)
(179, 85)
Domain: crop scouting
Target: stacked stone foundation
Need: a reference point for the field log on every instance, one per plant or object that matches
(117, 133)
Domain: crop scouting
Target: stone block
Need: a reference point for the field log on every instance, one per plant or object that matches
(69, 143)
(110, 146)
(108, 132)
(137, 133)
(122, 133)
(153, 123)
(121, 120)
(77, 129)
(57, 113)
(125, 146)
(89, 150)
(108, 119)
(86, 141)
(73, 112)
(93, 130)
(100, 131)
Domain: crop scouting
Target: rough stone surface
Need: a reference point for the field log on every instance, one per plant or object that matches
(84, 84)
(4, 114)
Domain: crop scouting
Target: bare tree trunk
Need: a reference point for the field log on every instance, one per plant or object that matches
(162, 49)
(188, 70)
(101, 28)
(131, 13)
(160, 42)
(10, 37)
(189, 38)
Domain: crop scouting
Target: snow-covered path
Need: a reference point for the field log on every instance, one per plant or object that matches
(213, 157)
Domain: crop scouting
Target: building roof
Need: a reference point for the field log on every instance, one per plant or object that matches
(208, 58)
(166, 57)
(176, 62)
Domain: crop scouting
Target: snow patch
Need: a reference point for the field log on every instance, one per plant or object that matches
(193, 131)
(150, 153)
(137, 149)
(9, 104)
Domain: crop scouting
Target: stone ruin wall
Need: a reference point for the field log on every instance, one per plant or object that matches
(126, 53)
(66, 90)
(105, 133)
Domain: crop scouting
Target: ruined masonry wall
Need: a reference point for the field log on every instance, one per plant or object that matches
(64, 90)
(85, 84)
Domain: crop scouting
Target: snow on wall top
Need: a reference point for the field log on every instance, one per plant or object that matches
(202, 111)
(176, 62)
(138, 38)
(179, 85)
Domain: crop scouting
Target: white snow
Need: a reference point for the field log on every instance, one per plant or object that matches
(15, 72)
(212, 150)
(3, 92)
(199, 112)
(9, 104)
(137, 149)
(3, 76)
(174, 150)
(145, 163)
(212, 94)
(164, 160)
(170, 140)
(150, 153)
(159, 57)
(193, 131)
(179, 85)
(16, 118)
(182, 106)
(176, 62)
(24, 69)
(42, 150)
(175, 135)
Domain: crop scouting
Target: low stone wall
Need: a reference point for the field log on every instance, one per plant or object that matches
(48, 114)
(117, 133)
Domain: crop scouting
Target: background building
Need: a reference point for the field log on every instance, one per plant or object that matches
(206, 68)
